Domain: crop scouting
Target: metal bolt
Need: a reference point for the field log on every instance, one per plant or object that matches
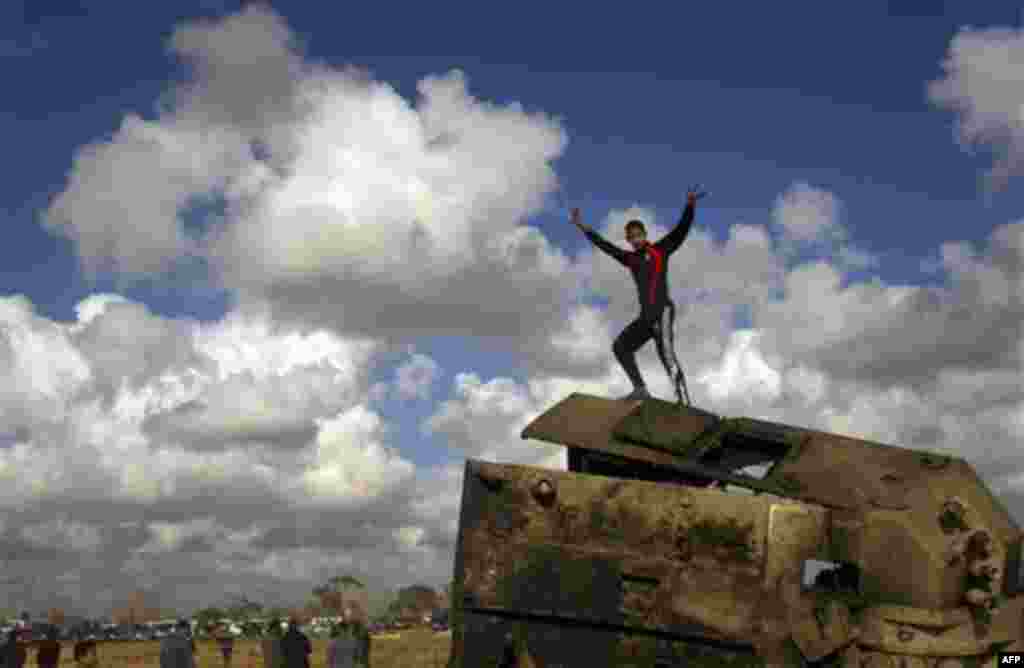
(544, 492)
(981, 542)
(953, 506)
(982, 569)
(978, 597)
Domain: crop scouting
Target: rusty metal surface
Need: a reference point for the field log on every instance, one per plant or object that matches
(666, 426)
(829, 469)
(490, 638)
(626, 566)
(630, 555)
(580, 420)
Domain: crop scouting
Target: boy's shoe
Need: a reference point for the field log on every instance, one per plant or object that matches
(638, 394)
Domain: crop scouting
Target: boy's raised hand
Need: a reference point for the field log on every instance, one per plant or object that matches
(577, 222)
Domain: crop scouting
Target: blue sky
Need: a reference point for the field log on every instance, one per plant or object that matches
(747, 100)
(654, 101)
(745, 103)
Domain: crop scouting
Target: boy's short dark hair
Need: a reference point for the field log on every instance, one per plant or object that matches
(635, 224)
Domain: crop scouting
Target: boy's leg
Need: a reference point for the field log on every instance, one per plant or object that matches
(681, 375)
(665, 341)
(680, 378)
(635, 335)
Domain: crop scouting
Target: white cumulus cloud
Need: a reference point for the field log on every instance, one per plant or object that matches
(351, 463)
(983, 84)
(742, 372)
(333, 194)
(414, 379)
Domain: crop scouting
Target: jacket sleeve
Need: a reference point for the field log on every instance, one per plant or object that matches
(609, 248)
(674, 239)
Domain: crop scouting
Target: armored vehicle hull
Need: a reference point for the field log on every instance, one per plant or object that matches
(681, 538)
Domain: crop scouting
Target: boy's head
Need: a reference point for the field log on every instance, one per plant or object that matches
(636, 234)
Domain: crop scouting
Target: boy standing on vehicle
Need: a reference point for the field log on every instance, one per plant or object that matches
(648, 262)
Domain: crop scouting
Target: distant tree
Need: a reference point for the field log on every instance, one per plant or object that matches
(241, 607)
(444, 598)
(313, 608)
(342, 582)
(278, 612)
(333, 602)
(135, 610)
(121, 615)
(341, 593)
(300, 614)
(207, 618)
(414, 602)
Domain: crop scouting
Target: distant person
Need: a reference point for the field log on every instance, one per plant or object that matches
(362, 637)
(295, 646)
(178, 650)
(86, 655)
(272, 645)
(226, 642)
(21, 649)
(508, 653)
(8, 650)
(48, 649)
(648, 262)
(341, 650)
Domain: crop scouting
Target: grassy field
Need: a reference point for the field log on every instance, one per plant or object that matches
(419, 648)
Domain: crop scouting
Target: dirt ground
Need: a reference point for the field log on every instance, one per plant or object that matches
(413, 649)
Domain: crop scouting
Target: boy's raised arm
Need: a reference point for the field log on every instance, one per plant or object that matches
(595, 238)
(674, 239)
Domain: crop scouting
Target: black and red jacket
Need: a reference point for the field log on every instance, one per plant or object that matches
(649, 265)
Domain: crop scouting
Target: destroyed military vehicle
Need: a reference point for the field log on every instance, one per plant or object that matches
(680, 538)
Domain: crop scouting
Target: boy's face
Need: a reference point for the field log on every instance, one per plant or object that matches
(636, 237)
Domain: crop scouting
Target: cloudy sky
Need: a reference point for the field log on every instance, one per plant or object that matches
(266, 288)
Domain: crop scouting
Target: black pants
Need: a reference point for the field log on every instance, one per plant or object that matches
(660, 326)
